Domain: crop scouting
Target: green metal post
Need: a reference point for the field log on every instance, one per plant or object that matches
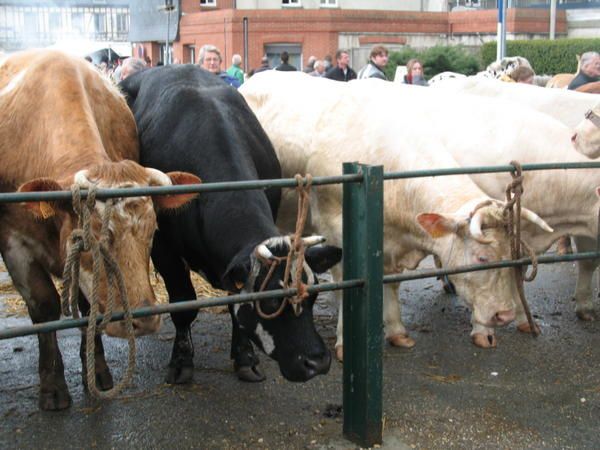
(363, 258)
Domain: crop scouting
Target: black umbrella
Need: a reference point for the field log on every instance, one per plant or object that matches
(107, 55)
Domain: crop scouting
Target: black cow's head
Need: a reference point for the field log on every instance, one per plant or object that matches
(290, 338)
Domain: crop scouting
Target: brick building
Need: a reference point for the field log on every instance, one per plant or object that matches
(254, 28)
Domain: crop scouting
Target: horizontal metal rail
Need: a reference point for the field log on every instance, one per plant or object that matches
(473, 170)
(205, 302)
(430, 273)
(16, 197)
(208, 302)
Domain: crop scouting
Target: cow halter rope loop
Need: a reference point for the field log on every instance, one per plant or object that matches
(512, 209)
(82, 240)
(297, 247)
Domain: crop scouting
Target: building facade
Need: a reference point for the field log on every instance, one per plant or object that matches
(254, 28)
(27, 23)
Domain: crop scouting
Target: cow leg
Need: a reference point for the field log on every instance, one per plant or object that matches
(245, 361)
(180, 288)
(36, 287)
(395, 331)
(104, 380)
(584, 306)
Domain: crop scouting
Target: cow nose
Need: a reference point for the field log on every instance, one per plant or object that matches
(574, 138)
(311, 366)
(504, 317)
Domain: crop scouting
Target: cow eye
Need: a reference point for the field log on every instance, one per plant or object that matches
(483, 259)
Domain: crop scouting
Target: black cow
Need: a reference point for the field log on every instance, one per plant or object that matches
(189, 119)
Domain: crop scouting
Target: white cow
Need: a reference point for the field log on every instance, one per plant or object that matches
(316, 124)
(586, 137)
(566, 106)
(479, 132)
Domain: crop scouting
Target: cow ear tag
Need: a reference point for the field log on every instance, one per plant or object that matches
(46, 210)
(435, 225)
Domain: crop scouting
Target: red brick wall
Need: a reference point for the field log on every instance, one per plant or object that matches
(317, 30)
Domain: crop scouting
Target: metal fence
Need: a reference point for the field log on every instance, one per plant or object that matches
(363, 275)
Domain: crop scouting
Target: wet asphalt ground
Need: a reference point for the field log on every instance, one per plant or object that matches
(541, 393)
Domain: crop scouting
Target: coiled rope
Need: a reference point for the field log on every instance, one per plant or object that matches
(82, 239)
(297, 248)
(512, 209)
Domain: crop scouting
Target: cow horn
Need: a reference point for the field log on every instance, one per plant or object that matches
(532, 217)
(81, 178)
(313, 240)
(475, 229)
(263, 251)
(158, 178)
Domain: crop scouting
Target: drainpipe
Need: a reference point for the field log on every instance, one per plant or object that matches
(552, 19)
(501, 39)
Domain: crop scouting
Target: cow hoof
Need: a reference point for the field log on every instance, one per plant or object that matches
(180, 375)
(484, 341)
(251, 374)
(525, 328)
(401, 340)
(104, 380)
(339, 353)
(56, 400)
(587, 315)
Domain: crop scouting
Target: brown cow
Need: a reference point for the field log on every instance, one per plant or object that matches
(62, 124)
(590, 88)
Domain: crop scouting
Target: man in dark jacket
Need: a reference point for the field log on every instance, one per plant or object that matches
(341, 72)
(589, 71)
(285, 66)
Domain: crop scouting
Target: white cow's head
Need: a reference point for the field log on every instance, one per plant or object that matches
(586, 137)
(477, 234)
(506, 65)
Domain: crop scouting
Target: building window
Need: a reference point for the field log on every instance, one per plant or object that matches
(122, 23)
(329, 3)
(54, 21)
(208, 2)
(77, 22)
(99, 23)
(290, 2)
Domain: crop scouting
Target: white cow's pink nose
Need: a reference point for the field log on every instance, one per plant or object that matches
(574, 138)
(505, 317)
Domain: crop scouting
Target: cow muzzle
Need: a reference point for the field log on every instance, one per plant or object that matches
(304, 367)
(141, 327)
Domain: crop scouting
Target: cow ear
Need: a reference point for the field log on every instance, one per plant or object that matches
(41, 209)
(322, 258)
(236, 274)
(130, 86)
(437, 225)
(175, 201)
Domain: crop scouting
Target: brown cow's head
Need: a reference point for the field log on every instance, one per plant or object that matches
(131, 228)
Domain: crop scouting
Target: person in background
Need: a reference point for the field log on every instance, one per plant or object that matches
(210, 59)
(328, 62)
(522, 74)
(342, 71)
(131, 66)
(264, 65)
(589, 71)
(235, 70)
(319, 69)
(285, 66)
(310, 65)
(377, 62)
(414, 73)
